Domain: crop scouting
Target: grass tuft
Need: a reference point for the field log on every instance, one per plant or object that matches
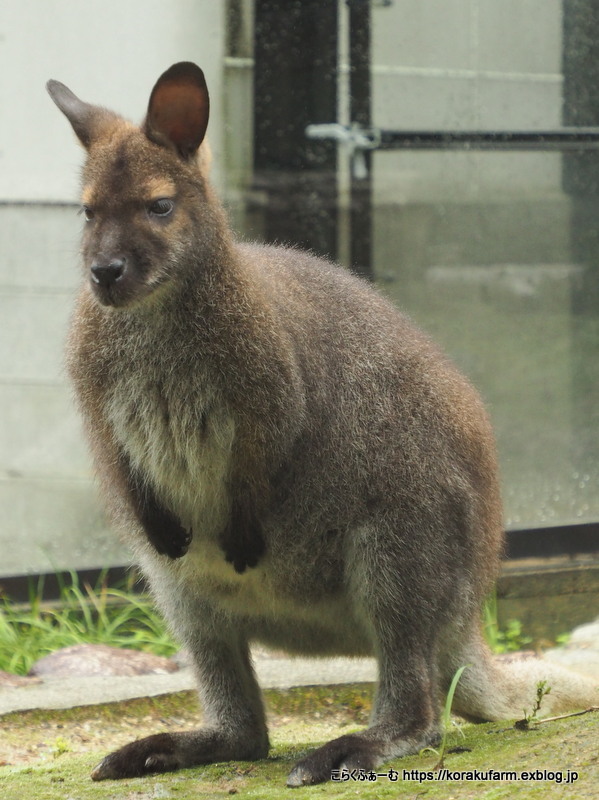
(502, 641)
(82, 615)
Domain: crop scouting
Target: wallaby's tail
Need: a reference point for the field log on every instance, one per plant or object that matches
(495, 688)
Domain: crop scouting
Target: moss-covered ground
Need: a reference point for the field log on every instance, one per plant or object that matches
(48, 755)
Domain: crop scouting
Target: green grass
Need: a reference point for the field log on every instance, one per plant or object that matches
(83, 614)
(446, 718)
(510, 639)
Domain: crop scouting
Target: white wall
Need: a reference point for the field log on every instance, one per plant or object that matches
(109, 52)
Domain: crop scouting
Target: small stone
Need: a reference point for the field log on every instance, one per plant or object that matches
(88, 660)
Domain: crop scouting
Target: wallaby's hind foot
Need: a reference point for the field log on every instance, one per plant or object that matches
(354, 751)
(167, 752)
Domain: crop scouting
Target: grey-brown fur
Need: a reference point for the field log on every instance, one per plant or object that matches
(290, 459)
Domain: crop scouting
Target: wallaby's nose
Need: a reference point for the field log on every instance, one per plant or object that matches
(107, 274)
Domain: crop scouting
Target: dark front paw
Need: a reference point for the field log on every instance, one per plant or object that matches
(242, 555)
(165, 532)
(242, 540)
(153, 754)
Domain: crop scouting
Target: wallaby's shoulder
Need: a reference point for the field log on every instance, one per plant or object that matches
(304, 283)
(299, 268)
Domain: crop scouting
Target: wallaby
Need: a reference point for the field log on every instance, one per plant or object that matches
(291, 460)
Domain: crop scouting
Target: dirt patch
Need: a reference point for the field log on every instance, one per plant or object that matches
(48, 755)
(32, 736)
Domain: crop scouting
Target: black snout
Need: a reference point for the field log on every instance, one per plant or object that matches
(107, 275)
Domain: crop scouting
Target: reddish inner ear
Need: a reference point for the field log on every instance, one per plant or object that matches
(179, 111)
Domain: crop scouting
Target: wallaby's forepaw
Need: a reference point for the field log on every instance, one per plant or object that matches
(153, 754)
(351, 752)
(242, 540)
(242, 554)
(166, 534)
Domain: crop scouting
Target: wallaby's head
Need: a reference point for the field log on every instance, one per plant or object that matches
(144, 196)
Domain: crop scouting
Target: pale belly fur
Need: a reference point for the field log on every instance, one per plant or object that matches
(185, 450)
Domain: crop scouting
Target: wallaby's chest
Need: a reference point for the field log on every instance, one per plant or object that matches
(176, 433)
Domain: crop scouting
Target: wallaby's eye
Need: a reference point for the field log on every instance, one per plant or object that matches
(161, 207)
(88, 213)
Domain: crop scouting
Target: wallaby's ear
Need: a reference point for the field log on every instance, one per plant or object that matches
(179, 108)
(88, 121)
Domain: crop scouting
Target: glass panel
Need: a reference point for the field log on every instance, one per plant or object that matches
(495, 253)
(495, 281)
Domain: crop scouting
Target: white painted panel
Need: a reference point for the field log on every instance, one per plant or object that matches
(108, 52)
(55, 525)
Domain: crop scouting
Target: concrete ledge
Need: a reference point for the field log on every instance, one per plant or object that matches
(273, 673)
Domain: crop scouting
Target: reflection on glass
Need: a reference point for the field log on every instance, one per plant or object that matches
(496, 283)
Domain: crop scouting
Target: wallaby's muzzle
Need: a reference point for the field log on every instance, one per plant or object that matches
(106, 275)
(110, 281)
